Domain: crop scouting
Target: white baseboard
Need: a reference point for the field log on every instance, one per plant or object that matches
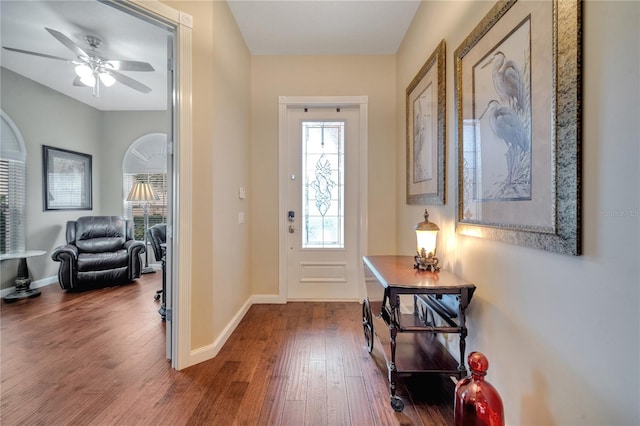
(268, 299)
(34, 284)
(210, 351)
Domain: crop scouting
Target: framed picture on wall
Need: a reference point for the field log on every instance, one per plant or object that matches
(66, 179)
(518, 88)
(425, 120)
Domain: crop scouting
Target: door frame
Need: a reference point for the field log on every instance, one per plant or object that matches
(179, 271)
(286, 102)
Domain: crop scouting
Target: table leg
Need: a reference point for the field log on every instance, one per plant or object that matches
(163, 304)
(462, 305)
(22, 284)
(396, 403)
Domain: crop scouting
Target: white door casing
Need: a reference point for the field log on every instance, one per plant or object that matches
(315, 273)
(179, 241)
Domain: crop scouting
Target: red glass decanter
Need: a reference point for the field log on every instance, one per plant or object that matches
(477, 402)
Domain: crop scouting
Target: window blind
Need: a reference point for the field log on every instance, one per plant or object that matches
(157, 209)
(12, 205)
(146, 161)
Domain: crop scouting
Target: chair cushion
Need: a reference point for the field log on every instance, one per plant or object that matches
(102, 261)
(97, 234)
(101, 278)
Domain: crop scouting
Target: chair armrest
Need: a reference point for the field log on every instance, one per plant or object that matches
(134, 250)
(65, 253)
(134, 246)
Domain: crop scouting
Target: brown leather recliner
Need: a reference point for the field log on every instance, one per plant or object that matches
(100, 251)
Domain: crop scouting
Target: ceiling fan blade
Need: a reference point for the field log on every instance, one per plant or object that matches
(68, 43)
(44, 55)
(77, 82)
(131, 65)
(128, 81)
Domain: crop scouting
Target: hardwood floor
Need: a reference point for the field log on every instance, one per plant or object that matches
(97, 358)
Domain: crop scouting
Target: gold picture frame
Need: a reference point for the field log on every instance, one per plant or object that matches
(426, 131)
(518, 100)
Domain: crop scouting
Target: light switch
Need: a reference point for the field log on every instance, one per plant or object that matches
(240, 217)
(242, 192)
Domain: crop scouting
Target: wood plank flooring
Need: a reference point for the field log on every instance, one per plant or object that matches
(97, 358)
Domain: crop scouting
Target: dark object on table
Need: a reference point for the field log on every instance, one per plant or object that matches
(23, 280)
(100, 250)
(158, 239)
(477, 402)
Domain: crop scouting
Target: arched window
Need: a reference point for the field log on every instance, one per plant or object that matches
(13, 156)
(146, 161)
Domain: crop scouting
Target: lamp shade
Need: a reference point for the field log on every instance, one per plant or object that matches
(426, 235)
(142, 191)
(88, 80)
(107, 79)
(83, 70)
(426, 241)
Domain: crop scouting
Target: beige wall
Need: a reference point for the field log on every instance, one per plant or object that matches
(231, 167)
(274, 76)
(560, 332)
(221, 127)
(202, 216)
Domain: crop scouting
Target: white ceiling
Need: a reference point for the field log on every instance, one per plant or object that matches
(323, 27)
(124, 37)
(293, 27)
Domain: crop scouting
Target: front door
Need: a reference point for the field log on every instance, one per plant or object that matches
(323, 203)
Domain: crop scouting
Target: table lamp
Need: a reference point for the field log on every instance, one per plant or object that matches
(143, 193)
(426, 234)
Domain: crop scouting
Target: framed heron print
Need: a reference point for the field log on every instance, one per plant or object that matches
(518, 88)
(425, 116)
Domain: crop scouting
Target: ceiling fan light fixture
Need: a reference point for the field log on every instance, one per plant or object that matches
(88, 80)
(83, 70)
(107, 79)
(91, 69)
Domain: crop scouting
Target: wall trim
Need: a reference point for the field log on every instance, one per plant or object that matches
(208, 352)
(266, 299)
(178, 296)
(34, 284)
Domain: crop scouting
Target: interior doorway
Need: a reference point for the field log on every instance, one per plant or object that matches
(47, 44)
(146, 157)
(179, 149)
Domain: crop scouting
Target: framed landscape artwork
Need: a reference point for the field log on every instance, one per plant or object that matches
(425, 117)
(518, 88)
(66, 179)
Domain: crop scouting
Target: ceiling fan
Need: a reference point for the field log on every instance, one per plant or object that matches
(92, 69)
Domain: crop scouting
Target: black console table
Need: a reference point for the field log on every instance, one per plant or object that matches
(409, 340)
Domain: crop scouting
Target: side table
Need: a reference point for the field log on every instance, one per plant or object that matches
(408, 340)
(22, 279)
